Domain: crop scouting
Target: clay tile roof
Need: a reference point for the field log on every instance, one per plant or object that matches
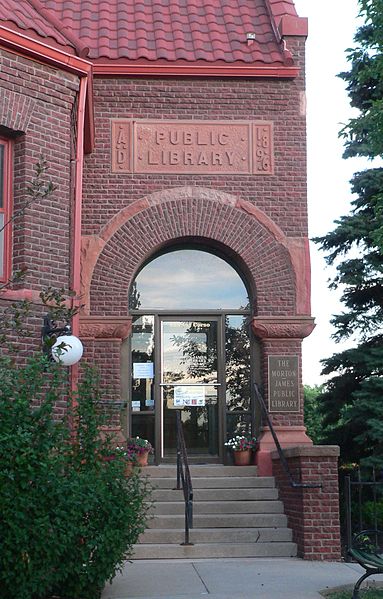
(31, 18)
(172, 30)
(158, 30)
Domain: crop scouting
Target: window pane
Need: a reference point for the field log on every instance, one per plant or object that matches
(237, 347)
(142, 364)
(143, 426)
(1, 245)
(238, 424)
(189, 351)
(188, 279)
(1, 176)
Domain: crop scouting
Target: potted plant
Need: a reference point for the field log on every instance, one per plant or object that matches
(140, 448)
(242, 447)
(130, 457)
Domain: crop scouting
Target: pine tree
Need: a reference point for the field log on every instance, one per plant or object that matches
(352, 403)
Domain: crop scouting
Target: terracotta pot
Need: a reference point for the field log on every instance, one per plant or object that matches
(242, 458)
(142, 458)
(129, 469)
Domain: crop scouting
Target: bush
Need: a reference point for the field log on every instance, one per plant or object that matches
(68, 517)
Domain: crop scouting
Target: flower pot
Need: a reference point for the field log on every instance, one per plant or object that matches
(142, 458)
(242, 458)
(129, 469)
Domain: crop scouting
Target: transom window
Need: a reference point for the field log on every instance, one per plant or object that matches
(188, 279)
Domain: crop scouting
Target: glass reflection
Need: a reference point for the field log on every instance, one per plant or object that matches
(188, 279)
(190, 360)
(237, 348)
(189, 352)
(142, 364)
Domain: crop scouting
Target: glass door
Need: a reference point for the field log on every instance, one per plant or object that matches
(190, 382)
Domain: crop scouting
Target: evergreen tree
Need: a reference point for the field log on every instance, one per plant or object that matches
(352, 402)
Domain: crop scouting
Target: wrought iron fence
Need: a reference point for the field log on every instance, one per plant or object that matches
(363, 503)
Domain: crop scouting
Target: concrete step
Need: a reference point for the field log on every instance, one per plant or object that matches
(235, 482)
(214, 550)
(206, 471)
(252, 494)
(220, 507)
(218, 535)
(220, 521)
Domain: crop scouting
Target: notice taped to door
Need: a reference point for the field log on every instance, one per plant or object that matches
(189, 396)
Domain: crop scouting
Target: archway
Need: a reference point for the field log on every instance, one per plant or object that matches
(190, 350)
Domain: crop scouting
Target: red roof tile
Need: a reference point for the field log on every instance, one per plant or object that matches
(159, 30)
(279, 8)
(20, 14)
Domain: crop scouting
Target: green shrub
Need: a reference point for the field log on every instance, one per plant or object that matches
(68, 517)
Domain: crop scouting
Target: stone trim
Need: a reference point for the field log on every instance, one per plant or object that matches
(296, 327)
(105, 327)
(307, 451)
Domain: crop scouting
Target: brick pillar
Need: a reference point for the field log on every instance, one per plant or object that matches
(281, 336)
(312, 514)
(103, 337)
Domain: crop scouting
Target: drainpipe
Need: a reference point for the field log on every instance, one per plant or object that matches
(76, 228)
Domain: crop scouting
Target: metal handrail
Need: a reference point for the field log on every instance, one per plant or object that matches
(184, 478)
(293, 483)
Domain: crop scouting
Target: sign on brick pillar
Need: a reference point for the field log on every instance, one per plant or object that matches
(312, 513)
(106, 335)
(281, 339)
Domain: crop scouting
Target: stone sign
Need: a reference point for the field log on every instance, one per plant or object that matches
(192, 147)
(283, 384)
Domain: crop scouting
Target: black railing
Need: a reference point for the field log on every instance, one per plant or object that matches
(293, 483)
(184, 478)
(364, 505)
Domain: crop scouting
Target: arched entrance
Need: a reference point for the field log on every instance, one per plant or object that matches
(190, 349)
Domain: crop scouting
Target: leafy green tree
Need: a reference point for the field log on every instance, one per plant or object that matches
(68, 514)
(313, 415)
(352, 402)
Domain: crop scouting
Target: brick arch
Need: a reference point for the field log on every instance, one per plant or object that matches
(141, 229)
(16, 111)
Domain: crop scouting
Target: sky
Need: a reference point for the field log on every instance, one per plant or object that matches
(332, 25)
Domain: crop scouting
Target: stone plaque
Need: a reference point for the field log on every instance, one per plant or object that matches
(192, 147)
(283, 384)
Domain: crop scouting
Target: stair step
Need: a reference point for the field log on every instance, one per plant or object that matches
(220, 507)
(252, 494)
(218, 535)
(235, 482)
(214, 550)
(207, 471)
(221, 521)
(236, 514)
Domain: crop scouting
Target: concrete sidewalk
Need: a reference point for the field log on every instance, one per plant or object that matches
(249, 578)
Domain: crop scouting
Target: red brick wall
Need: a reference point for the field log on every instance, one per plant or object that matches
(199, 214)
(37, 102)
(313, 514)
(282, 196)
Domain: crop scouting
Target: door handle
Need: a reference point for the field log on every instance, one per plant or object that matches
(190, 384)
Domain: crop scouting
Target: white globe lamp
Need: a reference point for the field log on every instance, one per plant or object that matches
(67, 350)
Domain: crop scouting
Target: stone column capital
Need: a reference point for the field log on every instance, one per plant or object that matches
(282, 327)
(105, 327)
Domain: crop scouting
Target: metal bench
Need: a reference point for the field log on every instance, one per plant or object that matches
(367, 550)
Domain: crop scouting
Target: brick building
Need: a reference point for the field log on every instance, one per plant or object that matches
(175, 134)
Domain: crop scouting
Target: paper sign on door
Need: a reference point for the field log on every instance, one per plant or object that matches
(189, 396)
